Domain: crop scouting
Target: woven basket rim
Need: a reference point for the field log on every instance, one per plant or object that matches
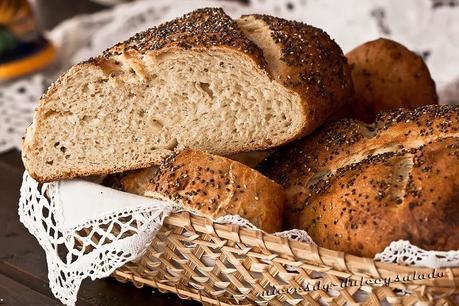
(247, 262)
(343, 263)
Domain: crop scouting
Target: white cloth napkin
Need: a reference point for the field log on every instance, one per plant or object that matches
(80, 200)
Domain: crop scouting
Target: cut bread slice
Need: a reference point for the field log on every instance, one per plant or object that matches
(196, 82)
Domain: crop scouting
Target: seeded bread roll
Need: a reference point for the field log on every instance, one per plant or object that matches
(387, 76)
(356, 187)
(213, 185)
(197, 81)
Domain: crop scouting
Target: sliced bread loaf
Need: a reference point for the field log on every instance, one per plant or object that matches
(197, 81)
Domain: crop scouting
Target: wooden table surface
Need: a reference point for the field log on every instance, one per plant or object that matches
(23, 270)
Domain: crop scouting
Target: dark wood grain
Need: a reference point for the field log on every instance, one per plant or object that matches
(14, 293)
(23, 271)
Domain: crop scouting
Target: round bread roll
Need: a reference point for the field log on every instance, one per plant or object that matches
(388, 76)
(356, 187)
(213, 185)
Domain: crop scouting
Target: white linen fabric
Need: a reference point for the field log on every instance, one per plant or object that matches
(88, 230)
(430, 27)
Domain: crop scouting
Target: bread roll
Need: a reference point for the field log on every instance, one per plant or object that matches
(356, 187)
(387, 76)
(213, 185)
(197, 81)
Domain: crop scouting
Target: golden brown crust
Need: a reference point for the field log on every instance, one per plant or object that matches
(311, 64)
(356, 187)
(213, 185)
(387, 76)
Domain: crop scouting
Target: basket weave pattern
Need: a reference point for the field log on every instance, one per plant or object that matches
(222, 264)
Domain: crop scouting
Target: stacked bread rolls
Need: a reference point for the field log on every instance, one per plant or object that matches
(356, 187)
(174, 109)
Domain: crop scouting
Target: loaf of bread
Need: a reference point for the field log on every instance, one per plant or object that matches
(212, 185)
(356, 187)
(202, 81)
(387, 76)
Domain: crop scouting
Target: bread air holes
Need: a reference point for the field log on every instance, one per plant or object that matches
(206, 88)
(59, 146)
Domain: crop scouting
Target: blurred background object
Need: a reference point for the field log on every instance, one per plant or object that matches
(51, 12)
(22, 47)
(112, 2)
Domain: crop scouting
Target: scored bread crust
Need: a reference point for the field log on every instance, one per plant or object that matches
(213, 185)
(306, 60)
(201, 30)
(356, 187)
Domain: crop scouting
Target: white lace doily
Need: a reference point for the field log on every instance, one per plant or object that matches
(79, 244)
(403, 252)
(430, 27)
(88, 230)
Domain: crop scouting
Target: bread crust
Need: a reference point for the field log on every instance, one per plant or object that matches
(310, 64)
(356, 187)
(213, 185)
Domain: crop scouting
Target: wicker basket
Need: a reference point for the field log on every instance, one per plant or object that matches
(221, 264)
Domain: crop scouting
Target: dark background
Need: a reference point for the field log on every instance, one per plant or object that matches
(51, 12)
